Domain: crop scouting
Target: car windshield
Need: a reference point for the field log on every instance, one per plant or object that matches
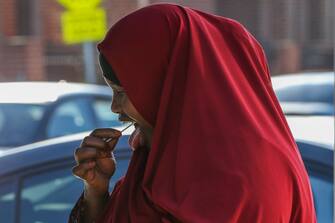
(19, 123)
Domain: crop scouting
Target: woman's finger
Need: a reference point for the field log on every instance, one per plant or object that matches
(83, 154)
(86, 154)
(99, 143)
(85, 170)
(106, 133)
(110, 136)
(93, 141)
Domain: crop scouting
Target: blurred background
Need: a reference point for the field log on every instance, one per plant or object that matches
(297, 35)
(52, 94)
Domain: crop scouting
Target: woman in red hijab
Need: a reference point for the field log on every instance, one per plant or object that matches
(211, 142)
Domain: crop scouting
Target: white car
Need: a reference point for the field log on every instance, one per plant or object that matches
(305, 93)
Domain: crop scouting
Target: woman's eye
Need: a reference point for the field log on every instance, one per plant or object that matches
(119, 92)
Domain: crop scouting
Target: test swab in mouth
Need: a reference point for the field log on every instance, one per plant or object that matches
(110, 139)
(127, 127)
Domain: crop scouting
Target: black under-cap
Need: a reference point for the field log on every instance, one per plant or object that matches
(107, 70)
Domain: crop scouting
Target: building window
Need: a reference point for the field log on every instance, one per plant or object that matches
(25, 17)
(316, 19)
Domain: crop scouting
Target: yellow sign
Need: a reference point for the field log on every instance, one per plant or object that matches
(79, 4)
(83, 26)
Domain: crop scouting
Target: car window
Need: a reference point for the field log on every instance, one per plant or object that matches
(322, 93)
(323, 197)
(16, 131)
(7, 202)
(70, 117)
(49, 196)
(103, 113)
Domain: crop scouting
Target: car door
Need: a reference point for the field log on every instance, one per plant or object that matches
(318, 161)
(8, 190)
(46, 193)
(322, 186)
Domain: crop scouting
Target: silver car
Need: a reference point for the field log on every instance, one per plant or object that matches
(305, 93)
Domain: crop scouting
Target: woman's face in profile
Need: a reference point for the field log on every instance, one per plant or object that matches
(124, 107)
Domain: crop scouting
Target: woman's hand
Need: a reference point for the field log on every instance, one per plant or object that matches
(95, 161)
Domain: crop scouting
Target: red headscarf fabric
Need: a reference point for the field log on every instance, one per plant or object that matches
(222, 150)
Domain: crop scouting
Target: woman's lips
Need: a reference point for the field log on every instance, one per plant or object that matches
(124, 118)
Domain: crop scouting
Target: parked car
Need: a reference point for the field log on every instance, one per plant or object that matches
(315, 138)
(34, 111)
(36, 183)
(305, 93)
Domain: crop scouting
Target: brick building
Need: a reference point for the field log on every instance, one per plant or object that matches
(296, 34)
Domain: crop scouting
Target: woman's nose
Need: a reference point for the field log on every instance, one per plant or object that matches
(115, 106)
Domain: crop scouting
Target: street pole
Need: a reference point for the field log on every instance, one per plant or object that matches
(89, 62)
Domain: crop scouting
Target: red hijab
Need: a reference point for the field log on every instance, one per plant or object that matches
(222, 150)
